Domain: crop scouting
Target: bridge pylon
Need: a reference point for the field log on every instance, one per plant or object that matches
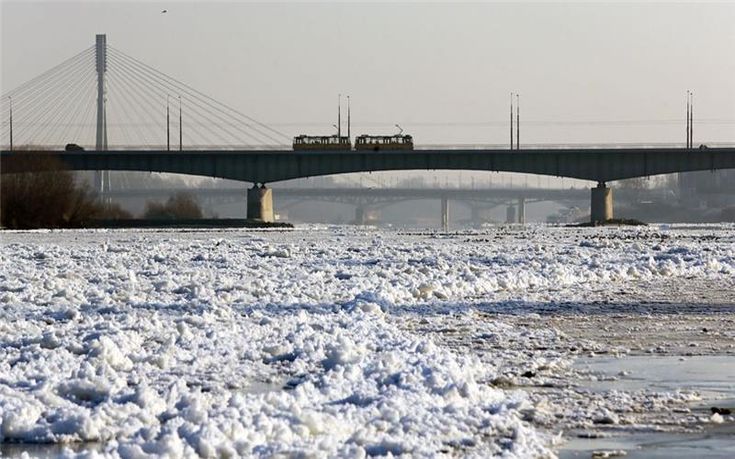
(101, 178)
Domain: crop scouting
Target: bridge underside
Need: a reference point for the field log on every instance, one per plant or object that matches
(268, 166)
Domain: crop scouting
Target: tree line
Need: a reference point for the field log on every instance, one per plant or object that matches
(47, 195)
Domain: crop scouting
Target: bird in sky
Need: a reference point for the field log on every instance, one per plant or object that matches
(164, 11)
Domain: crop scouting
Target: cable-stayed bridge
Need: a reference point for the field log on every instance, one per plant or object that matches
(129, 116)
(104, 99)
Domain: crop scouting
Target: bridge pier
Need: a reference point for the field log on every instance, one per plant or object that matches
(360, 215)
(445, 214)
(475, 217)
(260, 203)
(365, 215)
(522, 210)
(510, 215)
(601, 208)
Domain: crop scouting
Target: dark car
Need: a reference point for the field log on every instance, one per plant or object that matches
(73, 147)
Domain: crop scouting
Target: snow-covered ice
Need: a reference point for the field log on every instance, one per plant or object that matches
(326, 341)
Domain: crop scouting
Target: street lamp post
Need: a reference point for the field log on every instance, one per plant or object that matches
(168, 125)
(180, 127)
(11, 122)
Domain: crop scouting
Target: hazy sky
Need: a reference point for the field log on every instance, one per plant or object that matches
(443, 71)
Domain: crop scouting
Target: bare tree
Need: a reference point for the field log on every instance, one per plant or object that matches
(178, 206)
(637, 183)
(45, 195)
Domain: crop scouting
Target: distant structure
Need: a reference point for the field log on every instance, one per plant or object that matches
(101, 178)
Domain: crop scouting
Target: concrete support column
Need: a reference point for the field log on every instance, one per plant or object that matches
(475, 216)
(445, 214)
(260, 203)
(510, 215)
(522, 210)
(601, 208)
(360, 216)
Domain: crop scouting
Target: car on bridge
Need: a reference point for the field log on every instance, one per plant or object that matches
(73, 147)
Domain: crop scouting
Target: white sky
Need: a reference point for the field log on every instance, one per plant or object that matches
(442, 71)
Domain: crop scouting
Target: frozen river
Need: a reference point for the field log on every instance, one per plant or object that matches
(336, 341)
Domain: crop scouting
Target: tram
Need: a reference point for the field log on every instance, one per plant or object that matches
(321, 142)
(344, 143)
(384, 142)
(362, 142)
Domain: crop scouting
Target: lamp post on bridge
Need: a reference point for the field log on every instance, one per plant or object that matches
(511, 121)
(10, 99)
(180, 127)
(687, 120)
(691, 119)
(168, 126)
(518, 122)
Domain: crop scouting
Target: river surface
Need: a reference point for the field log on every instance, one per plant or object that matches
(333, 341)
(711, 376)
